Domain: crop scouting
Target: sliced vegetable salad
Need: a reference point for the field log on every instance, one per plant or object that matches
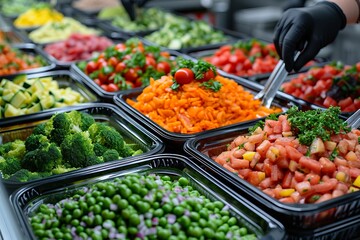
(334, 84)
(13, 60)
(195, 99)
(298, 157)
(186, 34)
(25, 96)
(78, 47)
(127, 65)
(138, 206)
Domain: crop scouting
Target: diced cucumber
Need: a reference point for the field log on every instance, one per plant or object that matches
(7, 97)
(19, 99)
(37, 86)
(28, 83)
(20, 79)
(35, 108)
(47, 101)
(11, 111)
(9, 85)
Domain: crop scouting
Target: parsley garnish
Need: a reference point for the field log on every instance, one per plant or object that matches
(241, 146)
(212, 85)
(334, 154)
(175, 86)
(308, 125)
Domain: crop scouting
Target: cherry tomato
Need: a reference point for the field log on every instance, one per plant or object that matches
(184, 75)
(131, 74)
(209, 74)
(150, 61)
(120, 47)
(163, 67)
(113, 61)
(104, 86)
(112, 87)
(91, 67)
(121, 66)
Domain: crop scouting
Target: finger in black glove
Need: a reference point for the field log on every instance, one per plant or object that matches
(308, 30)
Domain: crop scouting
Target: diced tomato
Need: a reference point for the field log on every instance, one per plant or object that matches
(345, 102)
(311, 164)
(286, 182)
(325, 186)
(299, 176)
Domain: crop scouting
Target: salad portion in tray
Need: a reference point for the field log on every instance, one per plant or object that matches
(303, 165)
(158, 197)
(334, 84)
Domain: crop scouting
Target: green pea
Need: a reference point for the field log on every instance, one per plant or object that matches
(59, 235)
(156, 205)
(134, 219)
(122, 229)
(224, 228)
(219, 204)
(202, 223)
(232, 221)
(86, 219)
(223, 212)
(219, 235)
(125, 213)
(133, 199)
(197, 207)
(243, 231)
(98, 219)
(158, 212)
(91, 201)
(159, 196)
(37, 226)
(225, 219)
(125, 192)
(83, 205)
(107, 202)
(194, 216)
(162, 221)
(75, 222)
(149, 184)
(210, 206)
(69, 205)
(195, 231)
(39, 232)
(143, 207)
(175, 228)
(184, 221)
(148, 223)
(80, 229)
(167, 207)
(96, 193)
(104, 233)
(67, 236)
(96, 236)
(204, 213)
(68, 218)
(107, 214)
(122, 204)
(83, 235)
(120, 222)
(96, 209)
(178, 211)
(208, 233)
(132, 230)
(183, 181)
(135, 188)
(165, 178)
(77, 213)
(110, 190)
(163, 233)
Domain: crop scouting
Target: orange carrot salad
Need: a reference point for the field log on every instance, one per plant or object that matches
(193, 108)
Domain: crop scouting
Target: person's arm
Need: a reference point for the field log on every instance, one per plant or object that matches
(351, 9)
(309, 29)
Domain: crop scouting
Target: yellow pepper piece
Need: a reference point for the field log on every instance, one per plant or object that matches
(37, 17)
(249, 155)
(286, 192)
(356, 183)
(261, 176)
(342, 177)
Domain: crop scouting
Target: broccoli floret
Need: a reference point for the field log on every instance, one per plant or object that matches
(111, 155)
(92, 160)
(9, 166)
(61, 169)
(5, 148)
(106, 136)
(77, 149)
(44, 128)
(43, 159)
(86, 121)
(35, 141)
(99, 149)
(17, 149)
(22, 175)
(61, 127)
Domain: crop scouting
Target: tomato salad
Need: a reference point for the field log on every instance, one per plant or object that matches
(13, 60)
(127, 65)
(298, 157)
(331, 85)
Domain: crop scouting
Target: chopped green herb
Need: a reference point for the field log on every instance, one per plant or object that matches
(334, 154)
(241, 146)
(212, 85)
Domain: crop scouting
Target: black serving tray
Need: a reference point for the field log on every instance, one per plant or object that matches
(27, 199)
(21, 128)
(297, 218)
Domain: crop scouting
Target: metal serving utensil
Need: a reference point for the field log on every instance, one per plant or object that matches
(354, 120)
(272, 85)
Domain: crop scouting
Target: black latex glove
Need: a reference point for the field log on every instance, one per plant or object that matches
(293, 4)
(129, 6)
(310, 27)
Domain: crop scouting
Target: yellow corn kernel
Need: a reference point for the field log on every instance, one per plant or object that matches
(342, 177)
(287, 134)
(356, 183)
(275, 151)
(249, 155)
(286, 192)
(261, 176)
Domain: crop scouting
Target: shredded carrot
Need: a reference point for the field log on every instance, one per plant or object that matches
(192, 108)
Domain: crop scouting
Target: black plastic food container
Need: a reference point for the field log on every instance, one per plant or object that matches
(26, 200)
(12, 36)
(133, 133)
(65, 79)
(297, 217)
(33, 50)
(105, 95)
(175, 141)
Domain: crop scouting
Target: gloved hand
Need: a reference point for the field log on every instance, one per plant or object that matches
(308, 30)
(293, 4)
(129, 6)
